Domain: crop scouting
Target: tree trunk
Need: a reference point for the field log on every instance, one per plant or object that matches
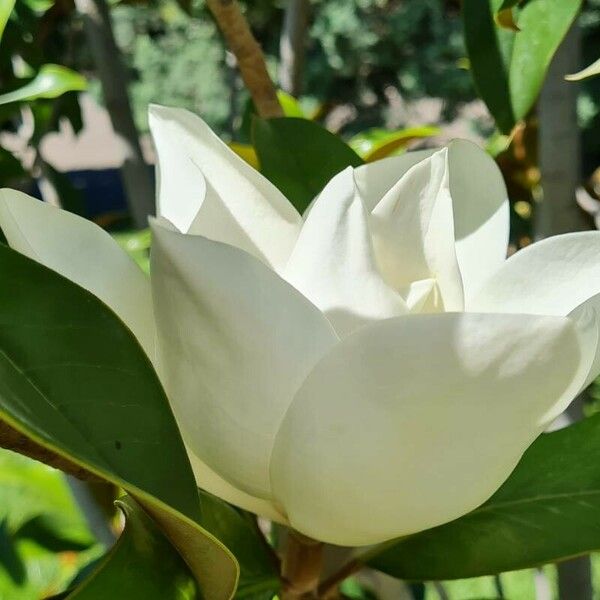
(560, 164)
(292, 46)
(113, 78)
(559, 144)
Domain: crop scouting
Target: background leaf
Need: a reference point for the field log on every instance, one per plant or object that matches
(43, 537)
(300, 156)
(141, 566)
(51, 81)
(509, 67)
(375, 144)
(75, 381)
(548, 510)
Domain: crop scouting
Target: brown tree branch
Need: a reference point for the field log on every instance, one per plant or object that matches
(301, 566)
(11, 439)
(248, 54)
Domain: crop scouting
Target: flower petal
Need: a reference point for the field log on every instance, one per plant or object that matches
(375, 179)
(333, 264)
(550, 277)
(82, 252)
(204, 188)
(414, 232)
(479, 199)
(556, 276)
(481, 213)
(587, 315)
(415, 421)
(234, 343)
(208, 480)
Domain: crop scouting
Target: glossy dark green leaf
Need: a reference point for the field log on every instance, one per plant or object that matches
(300, 156)
(548, 510)
(142, 565)
(238, 530)
(509, 67)
(50, 81)
(74, 380)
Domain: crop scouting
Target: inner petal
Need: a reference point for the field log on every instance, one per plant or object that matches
(333, 263)
(413, 234)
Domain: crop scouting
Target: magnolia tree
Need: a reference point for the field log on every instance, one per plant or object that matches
(325, 354)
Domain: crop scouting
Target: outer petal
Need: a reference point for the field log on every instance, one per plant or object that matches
(551, 277)
(204, 188)
(234, 344)
(414, 233)
(208, 480)
(415, 421)
(480, 204)
(84, 253)
(333, 263)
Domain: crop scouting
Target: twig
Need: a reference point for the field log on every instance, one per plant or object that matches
(301, 566)
(330, 584)
(11, 439)
(248, 54)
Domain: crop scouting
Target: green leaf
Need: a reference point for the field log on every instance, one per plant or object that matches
(75, 381)
(509, 67)
(38, 518)
(137, 245)
(291, 107)
(33, 493)
(6, 8)
(375, 144)
(548, 510)
(238, 530)
(51, 81)
(142, 565)
(592, 71)
(300, 156)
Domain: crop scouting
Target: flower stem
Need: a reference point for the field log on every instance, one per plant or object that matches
(301, 567)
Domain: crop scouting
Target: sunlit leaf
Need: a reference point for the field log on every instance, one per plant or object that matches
(291, 107)
(6, 7)
(51, 81)
(548, 510)
(137, 245)
(40, 525)
(375, 144)
(509, 67)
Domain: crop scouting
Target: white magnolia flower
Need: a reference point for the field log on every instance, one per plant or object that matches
(368, 371)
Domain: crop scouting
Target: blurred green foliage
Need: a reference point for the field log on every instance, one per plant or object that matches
(44, 540)
(358, 52)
